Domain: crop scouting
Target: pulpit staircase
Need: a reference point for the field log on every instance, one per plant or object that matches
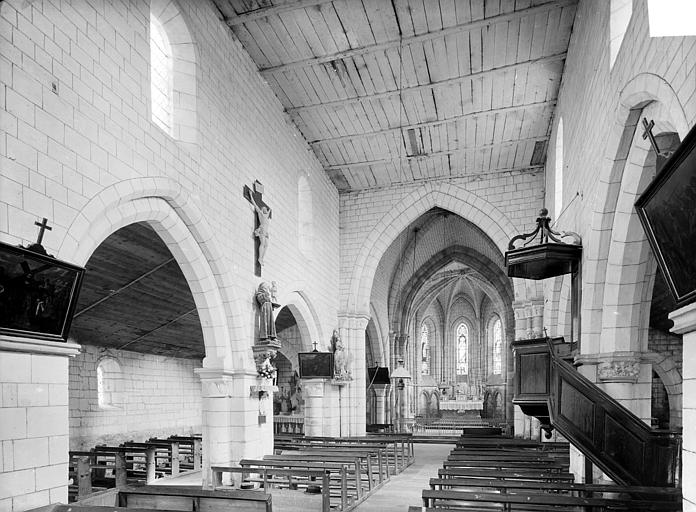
(549, 387)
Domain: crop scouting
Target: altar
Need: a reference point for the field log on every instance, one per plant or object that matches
(461, 405)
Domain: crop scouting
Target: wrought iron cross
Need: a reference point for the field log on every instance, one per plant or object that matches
(648, 134)
(315, 346)
(44, 226)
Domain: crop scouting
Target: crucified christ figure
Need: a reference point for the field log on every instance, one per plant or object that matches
(261, 232)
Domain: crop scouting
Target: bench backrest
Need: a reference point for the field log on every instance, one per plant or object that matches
(193, 499)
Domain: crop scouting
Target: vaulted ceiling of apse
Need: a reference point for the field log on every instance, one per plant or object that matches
(439, 255)
(135, 297)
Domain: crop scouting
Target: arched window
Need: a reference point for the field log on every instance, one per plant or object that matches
(462, 349)
(671, 18)
(425, 350)
(172, 72)
(108, 383)
(558, 181)
(497, 347)
(305, 216)
(619, 17)
(161, 76)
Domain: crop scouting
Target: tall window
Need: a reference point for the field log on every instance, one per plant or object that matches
(161, 79)
(558, 182)
(619, 17)
(425, 350)
(108, 383)
(497, 347)
(462, 349)
(305, 216)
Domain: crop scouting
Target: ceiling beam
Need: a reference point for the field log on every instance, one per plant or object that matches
(382, 161)
(426, 87)
(264, 12)
(124, 287)
(471, 115)
(166, 324)
(354, 52)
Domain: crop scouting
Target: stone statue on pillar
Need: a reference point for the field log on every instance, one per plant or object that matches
(341, 358)
(265, 297)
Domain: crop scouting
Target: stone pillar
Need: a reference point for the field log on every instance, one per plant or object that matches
(521, 321)
(234, 423)
(685, 324)
(322, 410)
(354, 398)
(380, 402)
(537, 321)
(34, 429)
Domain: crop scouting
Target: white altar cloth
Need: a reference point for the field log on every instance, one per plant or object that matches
(461, 405)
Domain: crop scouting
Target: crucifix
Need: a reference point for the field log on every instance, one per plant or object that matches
(648, 134)
(262, 217)
(315, 346)
(44, 226)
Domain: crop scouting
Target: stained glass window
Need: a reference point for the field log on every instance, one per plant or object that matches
(425, 350)
(462, 349)
(497, 348)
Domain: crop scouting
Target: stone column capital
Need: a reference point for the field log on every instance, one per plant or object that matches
(219, 383)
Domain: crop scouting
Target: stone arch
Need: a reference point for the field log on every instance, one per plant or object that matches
(639, 91)
(629, 267)
(666, 369)
(171, 212)
(305, 316)
(444, 195)
(379, 341)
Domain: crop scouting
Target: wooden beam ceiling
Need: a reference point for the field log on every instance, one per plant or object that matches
(408, 41)
(395, 91)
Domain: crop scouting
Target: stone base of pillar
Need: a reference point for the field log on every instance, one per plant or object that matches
(322, 408)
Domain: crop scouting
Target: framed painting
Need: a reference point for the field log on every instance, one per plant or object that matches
(316, 365)
(667, 210)
(38, 294)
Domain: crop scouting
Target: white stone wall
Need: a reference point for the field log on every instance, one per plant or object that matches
(158, 396)
(33, 430)
(78, 147)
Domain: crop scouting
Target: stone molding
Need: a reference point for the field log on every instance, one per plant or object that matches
(216, 383)
(36, 346)
(684, 319)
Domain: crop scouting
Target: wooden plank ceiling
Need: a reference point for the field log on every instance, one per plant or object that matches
(135, 297)
(394, 91)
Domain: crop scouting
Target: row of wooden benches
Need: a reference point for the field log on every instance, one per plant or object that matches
(344, 470)
(499, 473)
(132, 462)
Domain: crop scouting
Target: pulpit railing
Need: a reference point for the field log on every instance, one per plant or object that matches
(618, 442)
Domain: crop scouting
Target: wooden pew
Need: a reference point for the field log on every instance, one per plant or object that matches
(465, 500)
(339, 472)
(295, 478)
(575, 488)
(192, 499)
(517, 474)
(371, 460)
(513, 465)
(192, 448)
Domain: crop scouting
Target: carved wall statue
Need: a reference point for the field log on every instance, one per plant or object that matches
(341, 358)
(264, 298)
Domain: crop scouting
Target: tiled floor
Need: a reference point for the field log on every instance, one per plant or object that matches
(405, 488)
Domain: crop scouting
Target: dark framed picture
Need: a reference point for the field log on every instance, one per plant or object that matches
(316, 364)
(667, 210)
(38, 294)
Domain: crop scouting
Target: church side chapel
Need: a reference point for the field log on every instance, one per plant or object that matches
(399, 255)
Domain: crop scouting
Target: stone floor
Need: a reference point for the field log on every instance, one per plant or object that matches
(402, 490)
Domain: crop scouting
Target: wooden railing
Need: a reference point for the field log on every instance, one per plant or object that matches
(613, 438)
(288, 424)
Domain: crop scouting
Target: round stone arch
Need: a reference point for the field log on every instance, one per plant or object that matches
(306, 317)
(167, 208)
(444, 195)
(629, 266)
(639, 91)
